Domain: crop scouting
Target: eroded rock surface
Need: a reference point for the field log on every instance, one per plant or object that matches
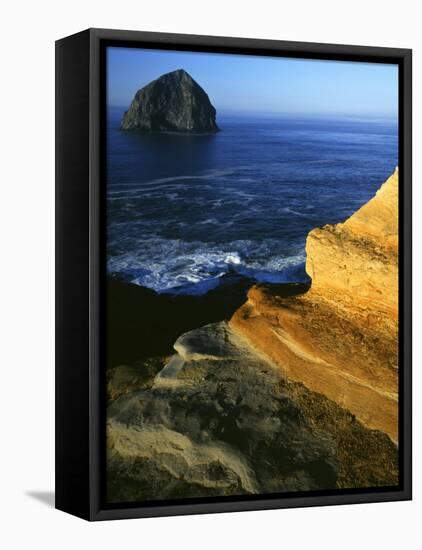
(341, 337)
(355, 263)
(220, 419)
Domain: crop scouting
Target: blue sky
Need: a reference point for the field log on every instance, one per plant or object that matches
(256, 84)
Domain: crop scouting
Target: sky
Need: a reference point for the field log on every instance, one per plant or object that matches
(256, 84)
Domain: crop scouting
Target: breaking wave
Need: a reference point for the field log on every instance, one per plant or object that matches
(167, 265)
(181, 214)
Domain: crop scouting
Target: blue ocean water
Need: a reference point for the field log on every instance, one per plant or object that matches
(183, 210)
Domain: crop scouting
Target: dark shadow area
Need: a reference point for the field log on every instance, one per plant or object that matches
(286, 290)
(142, 323)
(45, 497)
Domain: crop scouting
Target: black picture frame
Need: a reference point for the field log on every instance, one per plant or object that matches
(80, 272)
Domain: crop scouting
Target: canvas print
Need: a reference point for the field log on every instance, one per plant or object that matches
(252, 275)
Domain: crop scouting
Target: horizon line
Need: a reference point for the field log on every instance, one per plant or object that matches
(229, 111)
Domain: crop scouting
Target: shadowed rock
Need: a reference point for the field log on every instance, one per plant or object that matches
(217, 424)
(172, 103)
(220, 419)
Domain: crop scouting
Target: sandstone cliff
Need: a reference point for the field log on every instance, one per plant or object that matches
(340, 338)
(174, 102)
(220, 419)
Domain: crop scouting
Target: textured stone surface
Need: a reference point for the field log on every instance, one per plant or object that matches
(340, 337)
(174, 102)
(356, 262)
(220, 419)
(214, 424)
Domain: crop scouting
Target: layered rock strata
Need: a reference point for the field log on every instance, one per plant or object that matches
(340, 338)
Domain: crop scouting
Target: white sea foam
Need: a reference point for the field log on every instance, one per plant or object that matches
(210, 175)
(195, 267)
(288, 210)
(209, 221)
(233, 259)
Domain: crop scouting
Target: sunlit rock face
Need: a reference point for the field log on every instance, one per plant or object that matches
(341, 337)
(356, 262)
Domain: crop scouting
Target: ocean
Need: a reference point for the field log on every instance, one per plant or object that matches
(184, 210)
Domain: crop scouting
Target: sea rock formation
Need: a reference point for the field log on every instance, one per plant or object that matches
(220, 419)
(340, 338)
(174, 102)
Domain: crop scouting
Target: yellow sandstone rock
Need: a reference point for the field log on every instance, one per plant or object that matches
(357, 261)
(341, 337)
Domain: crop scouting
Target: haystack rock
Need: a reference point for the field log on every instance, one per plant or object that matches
(340, 337)
(172, 103)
